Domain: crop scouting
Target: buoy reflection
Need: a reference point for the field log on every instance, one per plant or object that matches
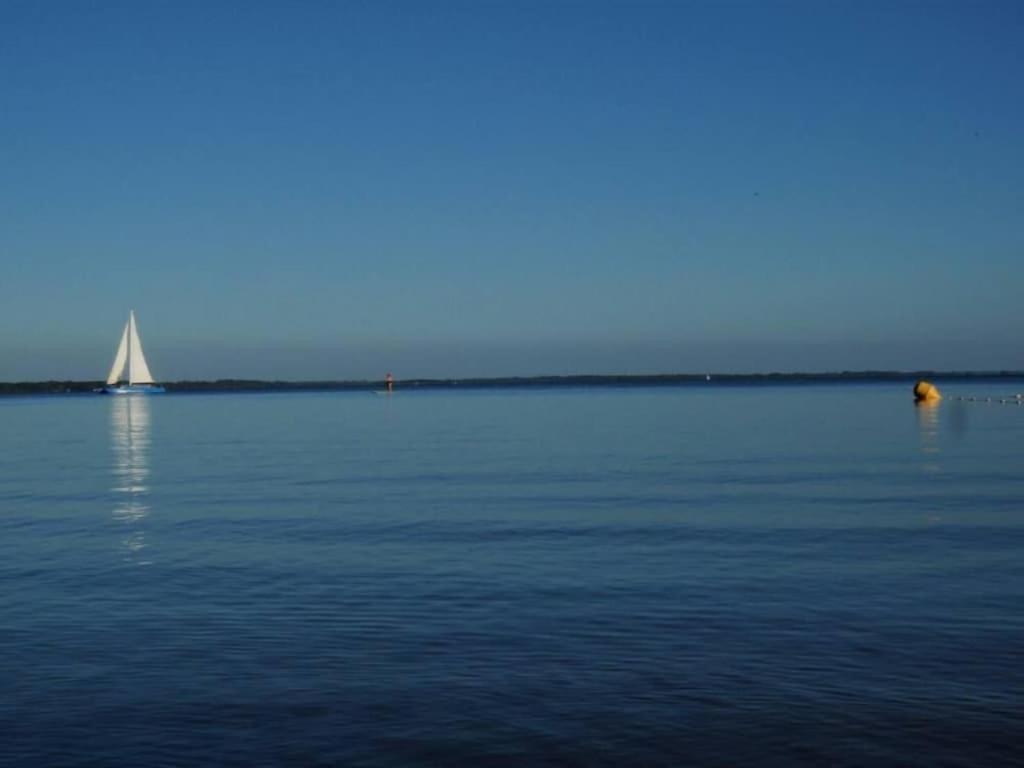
(928, 430)
(129, 439)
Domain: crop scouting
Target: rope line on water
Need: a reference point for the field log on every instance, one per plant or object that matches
(1011, 400)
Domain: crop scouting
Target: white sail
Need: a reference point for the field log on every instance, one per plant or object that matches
(120, 358)
(138, 371)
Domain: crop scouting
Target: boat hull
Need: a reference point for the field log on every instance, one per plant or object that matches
(137, 389)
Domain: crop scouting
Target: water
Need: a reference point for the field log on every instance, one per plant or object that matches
(696, 575)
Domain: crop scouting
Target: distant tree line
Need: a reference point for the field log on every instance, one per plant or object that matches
(668, 379)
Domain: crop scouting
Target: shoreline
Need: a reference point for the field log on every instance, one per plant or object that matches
(56, 387)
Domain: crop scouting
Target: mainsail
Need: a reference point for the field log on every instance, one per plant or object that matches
(138, 371)
(129, 354)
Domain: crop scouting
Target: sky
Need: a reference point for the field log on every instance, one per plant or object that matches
(319, 190)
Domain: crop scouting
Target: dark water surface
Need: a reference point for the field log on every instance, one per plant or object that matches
(722, 575)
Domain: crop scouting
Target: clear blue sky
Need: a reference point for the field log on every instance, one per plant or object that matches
(334, 189)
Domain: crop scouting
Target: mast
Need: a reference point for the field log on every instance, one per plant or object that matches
(131, 333)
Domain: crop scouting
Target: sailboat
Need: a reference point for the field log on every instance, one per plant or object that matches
(129, 358)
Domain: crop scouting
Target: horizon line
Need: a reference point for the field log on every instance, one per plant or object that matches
(69, 386)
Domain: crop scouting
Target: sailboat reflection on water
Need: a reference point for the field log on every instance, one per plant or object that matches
(129, 439)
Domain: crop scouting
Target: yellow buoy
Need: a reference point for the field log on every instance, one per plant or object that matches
(925, 391)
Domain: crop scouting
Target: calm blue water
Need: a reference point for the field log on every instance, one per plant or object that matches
(722, 575)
